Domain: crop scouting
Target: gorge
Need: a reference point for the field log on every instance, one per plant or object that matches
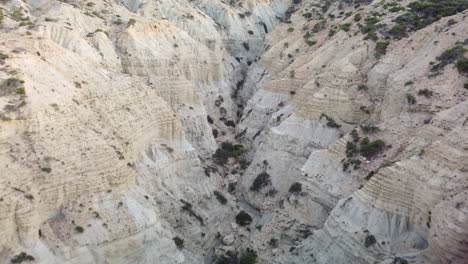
(241, 131)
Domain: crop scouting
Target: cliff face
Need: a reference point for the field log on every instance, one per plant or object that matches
(125, 124)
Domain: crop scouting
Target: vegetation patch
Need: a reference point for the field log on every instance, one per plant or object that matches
(370, 129)
(79, 229)
(455, 54)
(12, 86)
(369, 148)
(311, 42)
(381, 48)
(220, 197)
(398, 31)
(351, 149)
(424, 13)
(262, 180)
(295, 188)
(345, 27)
(188, 207)
(227, 150)
(411, 99)
(370, 28)
(46, 170)
(23, 256)
(179, 242)
(425, 92)
(243, 218)
(228, 258)
(248, 257)
(369, 241)
(319, 26)
(330, 121)
(462, 65)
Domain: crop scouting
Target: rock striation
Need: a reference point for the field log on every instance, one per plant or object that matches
(176, 131)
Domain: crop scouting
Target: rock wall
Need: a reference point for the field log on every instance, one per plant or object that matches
(126, 124)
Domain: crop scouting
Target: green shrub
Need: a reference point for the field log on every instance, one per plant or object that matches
(355, 135)
(424, 13)
(232, 187)
(25, 23)
(228, 258)
(248, 258)
(362, 87)
(23, 256)
(131, 22)
(262, 180)
(12, 85)
(411, 99)
(47, 170)
(450, 56)
(2, 16)
(243, 218)
(331, 32)
(319, 26)
(79, 229)
(345, 27)
(227, 150)
(351, 149)
(179, 242)
(396, 9)
(3, 56)
(357, 17)
(311, 42)
(409, 83)
(330, 121)
(451, 22)
(381, 48)
(369, 148)
(295, 188)
(370, 129)
(462, 65)
(398, 31)
(291, 29)
(369, 241)
(246, 46)
(18, 16)
(426, 92)
(370, 28)
(118, 21)
(220, 197)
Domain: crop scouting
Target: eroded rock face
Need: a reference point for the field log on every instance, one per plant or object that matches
(126, 124)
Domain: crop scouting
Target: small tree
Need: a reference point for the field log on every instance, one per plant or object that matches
(381, 48)
(79, 229)
(179, 242)
(243, 218)
(411, 99)
(295, 188)
(131, 22)
(220, 197)
(262, 180)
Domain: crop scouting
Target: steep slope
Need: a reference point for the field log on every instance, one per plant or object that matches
(135, 131)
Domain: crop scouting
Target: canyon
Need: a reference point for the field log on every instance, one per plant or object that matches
(242, 131)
